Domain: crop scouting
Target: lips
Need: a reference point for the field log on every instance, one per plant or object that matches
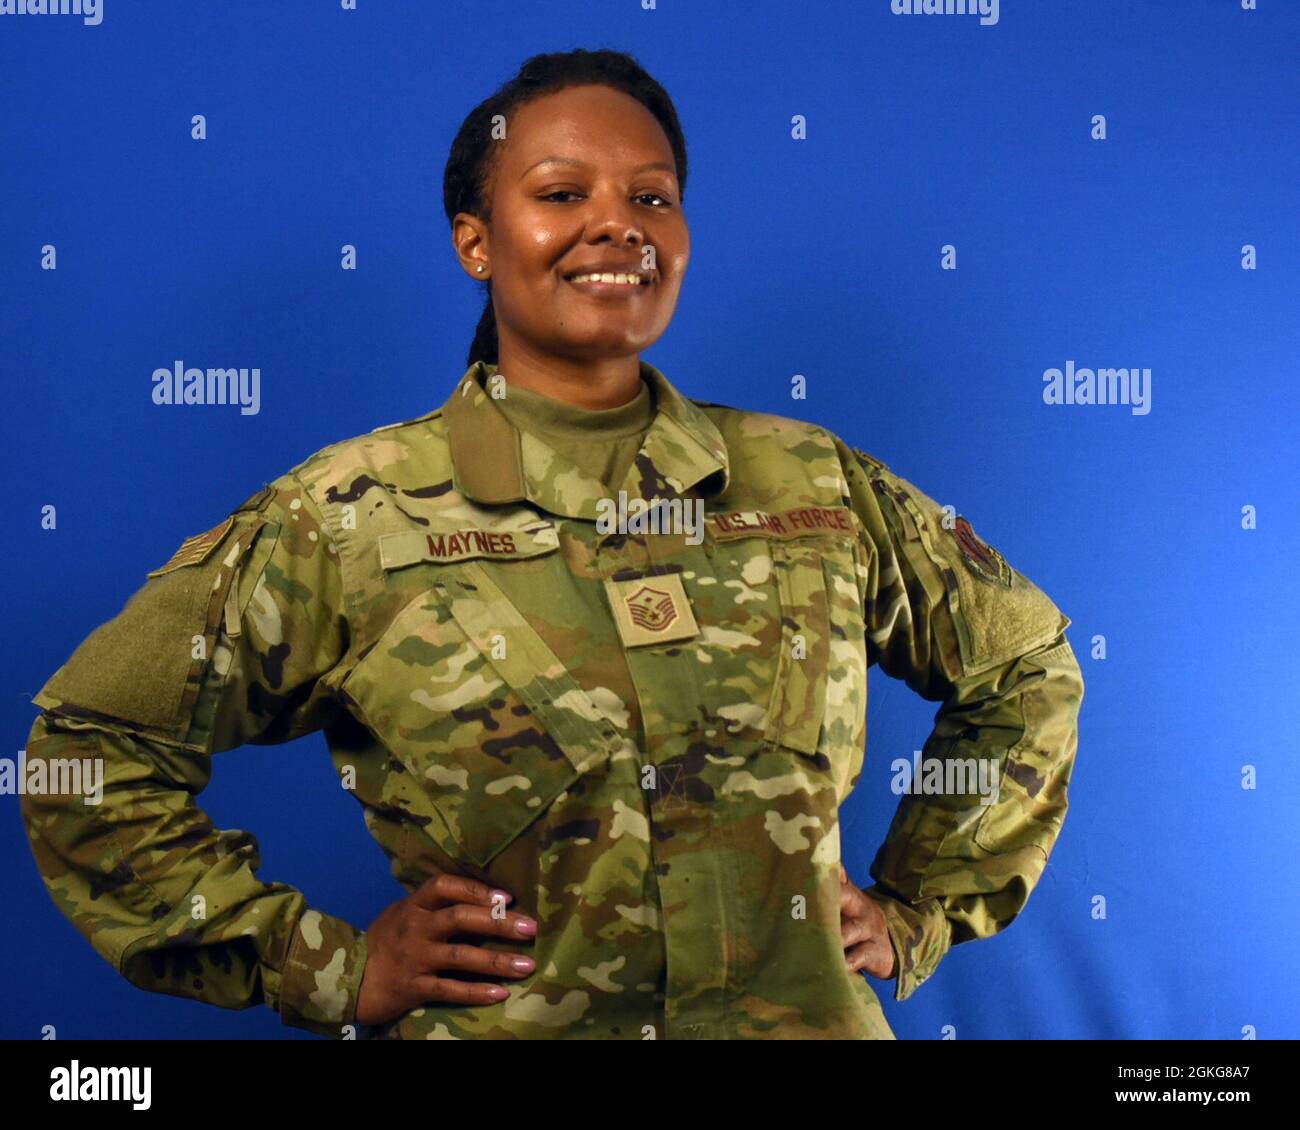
(610, 269)
(597, 288)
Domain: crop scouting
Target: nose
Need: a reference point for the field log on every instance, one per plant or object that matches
(614, 217)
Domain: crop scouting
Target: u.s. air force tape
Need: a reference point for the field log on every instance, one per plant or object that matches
(801, 522)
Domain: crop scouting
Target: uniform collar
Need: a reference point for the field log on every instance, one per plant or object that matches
(495, 463)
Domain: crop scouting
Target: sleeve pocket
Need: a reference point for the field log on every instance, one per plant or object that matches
(1030, 806)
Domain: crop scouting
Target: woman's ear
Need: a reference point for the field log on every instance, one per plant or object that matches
(469, 237)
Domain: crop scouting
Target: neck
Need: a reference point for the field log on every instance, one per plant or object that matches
(607, 382)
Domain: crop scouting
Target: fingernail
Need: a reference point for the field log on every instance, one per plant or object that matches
(503, 896)
(523, 964)
(526, 926)
(498, 994)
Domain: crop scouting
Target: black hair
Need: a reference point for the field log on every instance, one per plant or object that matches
(470, 162)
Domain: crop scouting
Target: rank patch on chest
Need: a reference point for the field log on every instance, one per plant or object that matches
(651, 610)
(194, 550)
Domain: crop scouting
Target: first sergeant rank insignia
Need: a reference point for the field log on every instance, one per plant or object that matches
(651, 610)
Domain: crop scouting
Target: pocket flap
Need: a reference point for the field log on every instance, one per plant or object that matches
(798, 700)
(524, 661)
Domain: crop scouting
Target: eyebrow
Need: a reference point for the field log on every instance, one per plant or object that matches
(584, 165)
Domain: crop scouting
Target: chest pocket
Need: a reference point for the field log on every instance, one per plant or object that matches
(488, 725)
(814, 686)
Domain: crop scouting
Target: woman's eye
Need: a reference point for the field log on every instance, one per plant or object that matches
(663, 200)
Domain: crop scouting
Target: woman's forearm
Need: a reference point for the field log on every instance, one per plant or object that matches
(982, 809)
(169, 900)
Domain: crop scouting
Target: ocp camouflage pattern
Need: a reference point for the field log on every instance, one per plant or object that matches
(668, 812)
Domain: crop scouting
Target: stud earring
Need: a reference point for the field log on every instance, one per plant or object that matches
(479, 268)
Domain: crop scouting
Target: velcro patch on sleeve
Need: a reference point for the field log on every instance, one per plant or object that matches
(996, 612)
(144, 667)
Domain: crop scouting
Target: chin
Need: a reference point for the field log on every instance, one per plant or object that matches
(603, 346)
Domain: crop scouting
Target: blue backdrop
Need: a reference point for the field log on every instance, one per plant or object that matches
(821, 256)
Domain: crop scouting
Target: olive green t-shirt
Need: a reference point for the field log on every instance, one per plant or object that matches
(601, 442)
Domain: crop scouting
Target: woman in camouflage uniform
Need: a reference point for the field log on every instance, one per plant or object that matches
(605, 760)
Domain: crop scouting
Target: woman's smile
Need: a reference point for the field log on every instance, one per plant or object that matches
(610, 284)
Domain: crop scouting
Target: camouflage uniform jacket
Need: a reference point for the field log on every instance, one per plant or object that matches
(644, 737)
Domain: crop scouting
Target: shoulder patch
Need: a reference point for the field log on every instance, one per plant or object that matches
(195, 550)
(980, 557)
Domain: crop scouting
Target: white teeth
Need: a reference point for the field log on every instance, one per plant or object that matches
(622, 279)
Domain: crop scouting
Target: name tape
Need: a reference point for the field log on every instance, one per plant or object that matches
(408, 547)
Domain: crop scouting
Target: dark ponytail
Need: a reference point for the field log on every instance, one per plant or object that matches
(469, 164)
